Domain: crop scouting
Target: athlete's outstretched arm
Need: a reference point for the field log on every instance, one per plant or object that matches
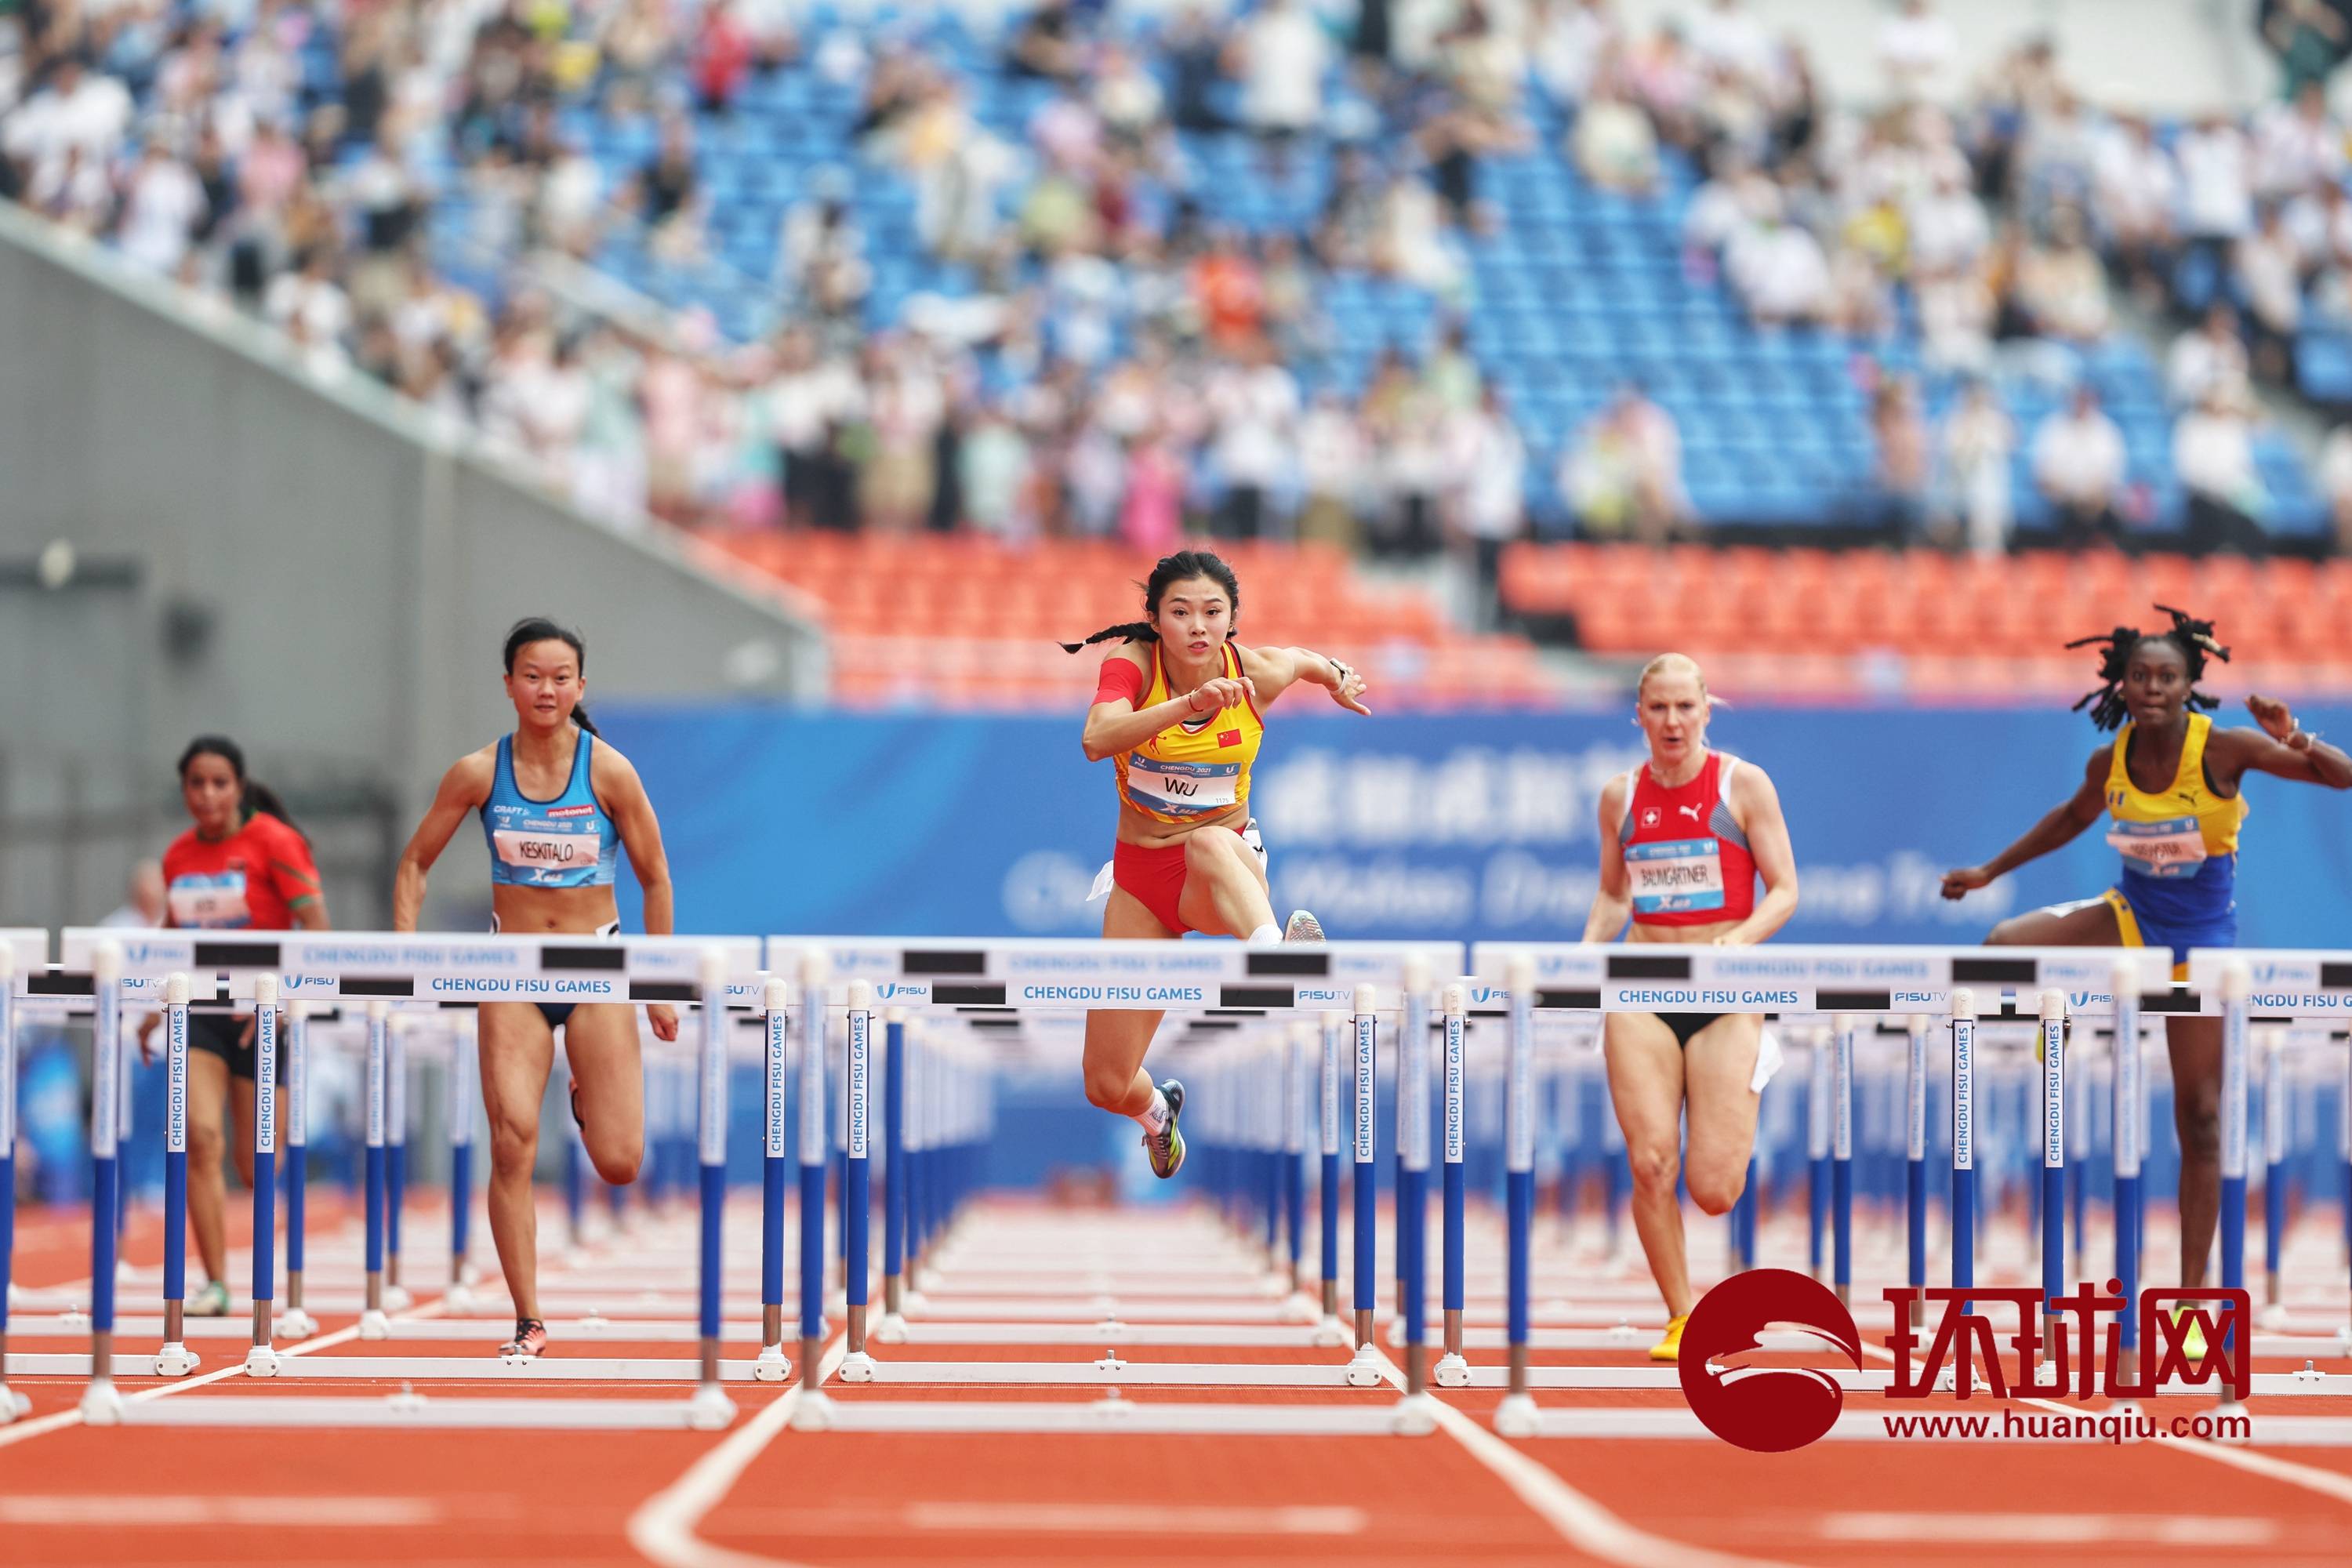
(1756, 805)
(1115, 724)
(1276, 670)
(2281, 748)
(463, 789)
(2060, 825)
(1612, 902)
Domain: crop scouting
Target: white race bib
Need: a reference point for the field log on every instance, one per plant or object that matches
(213, 902)
(2173, 848)
(1669, 878)
(1184, 789)
(553, 853)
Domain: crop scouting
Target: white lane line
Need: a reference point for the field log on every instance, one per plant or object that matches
(2054, 1529)
(1582, 1521)
(663, 1528)
(141, 1508)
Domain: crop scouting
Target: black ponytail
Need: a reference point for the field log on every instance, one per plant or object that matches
(1169, 569)
(538, 629)
(255, 798)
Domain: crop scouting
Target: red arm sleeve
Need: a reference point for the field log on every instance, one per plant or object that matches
(1119, 679)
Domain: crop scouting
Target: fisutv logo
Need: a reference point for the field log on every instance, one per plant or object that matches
(1774, 1409)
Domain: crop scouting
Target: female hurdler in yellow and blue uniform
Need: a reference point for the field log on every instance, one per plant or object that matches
(2169, 784)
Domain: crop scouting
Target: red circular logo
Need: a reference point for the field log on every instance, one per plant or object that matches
(1767, 1410)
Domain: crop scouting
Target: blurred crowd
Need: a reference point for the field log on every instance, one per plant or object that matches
(1124, 365)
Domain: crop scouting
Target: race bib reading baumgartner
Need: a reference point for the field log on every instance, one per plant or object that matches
(1669, 878)
(2173, 848)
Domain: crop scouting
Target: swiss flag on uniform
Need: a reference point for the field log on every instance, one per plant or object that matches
(1229, 737)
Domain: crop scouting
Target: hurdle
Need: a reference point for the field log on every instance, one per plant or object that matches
(110, 967)
(22, 952)
(1799, 980)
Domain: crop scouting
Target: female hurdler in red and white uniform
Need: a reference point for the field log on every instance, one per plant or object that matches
(1684, 839)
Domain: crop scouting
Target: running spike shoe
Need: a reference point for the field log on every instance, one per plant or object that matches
(1303, 927)
(529, 1340)
(1670, 1349)
(1165, 1148)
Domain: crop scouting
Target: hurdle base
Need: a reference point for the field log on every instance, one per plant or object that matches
(771, 1366)
(101, 1404)
(2273, 1316)
(1414, 1415)
(123, 1273)
(1517, 1416)
(374, 1325)
(2229, 1410)
(459, 1297)
(1364, 1366)
(1332, 1334)
(1451, 1371)
(294, 1323)
(1396, 1329)
(2128, 1411)
(261, 1361)
(396, 1299)
(814, 1413)
(1300, 1308)
(709, 1409)
(857, 1367)
(891, 1330)
(13, 1405)
(175, 1359)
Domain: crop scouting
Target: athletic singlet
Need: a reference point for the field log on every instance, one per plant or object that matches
(2180, 844)
(1686, 858)
(1197, 767)
(567, 842)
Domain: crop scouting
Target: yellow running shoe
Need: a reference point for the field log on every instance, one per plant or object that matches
(1671, 1348)
(2193, 1345)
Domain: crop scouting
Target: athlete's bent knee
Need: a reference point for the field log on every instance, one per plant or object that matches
(1713, 1193)
(1211, 846)
(2008, 932)
(514, 1143)
(1108, 1088)
(618, 1158)
(205, 1147)
(1655, 1167)
(2198, 1120)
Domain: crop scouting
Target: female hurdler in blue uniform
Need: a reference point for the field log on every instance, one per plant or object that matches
(557, 806)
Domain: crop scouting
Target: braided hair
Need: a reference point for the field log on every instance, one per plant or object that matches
(2192, 636)
(1169, 569)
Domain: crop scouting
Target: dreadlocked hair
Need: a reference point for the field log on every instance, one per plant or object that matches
(1169, 569)
(2192, 636)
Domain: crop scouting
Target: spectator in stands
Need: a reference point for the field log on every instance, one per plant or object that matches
(1915, 51)
(1779, 272)
(2216, 188)
(1900, 431)
(820, 254)
(812, 397)
(2310, 38)
(77, 117)
(666, 194)
(999, 497)
(1151, 510)
(1047, 42)
(635, 40)
(1489, 462)
(1195, 56)
(1624, 475)
(2267, 268)
(2135, 190)
(1255, 402)
(722, 57)
(163, 204)
(1348, 232)
(1978, 437)
(2062, 288)
(2335, 480)
(1280, 55)
(1572, 39)
(2296, 145)
(1945, 226)
(1332, 464)
(1614, 143)
(2078, 467)
(2214, 455)
(2210, 352)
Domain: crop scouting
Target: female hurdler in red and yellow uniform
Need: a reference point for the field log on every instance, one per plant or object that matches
(1177, 711)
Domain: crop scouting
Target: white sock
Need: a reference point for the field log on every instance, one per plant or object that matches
(1155, 1116)
(1266, 933)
